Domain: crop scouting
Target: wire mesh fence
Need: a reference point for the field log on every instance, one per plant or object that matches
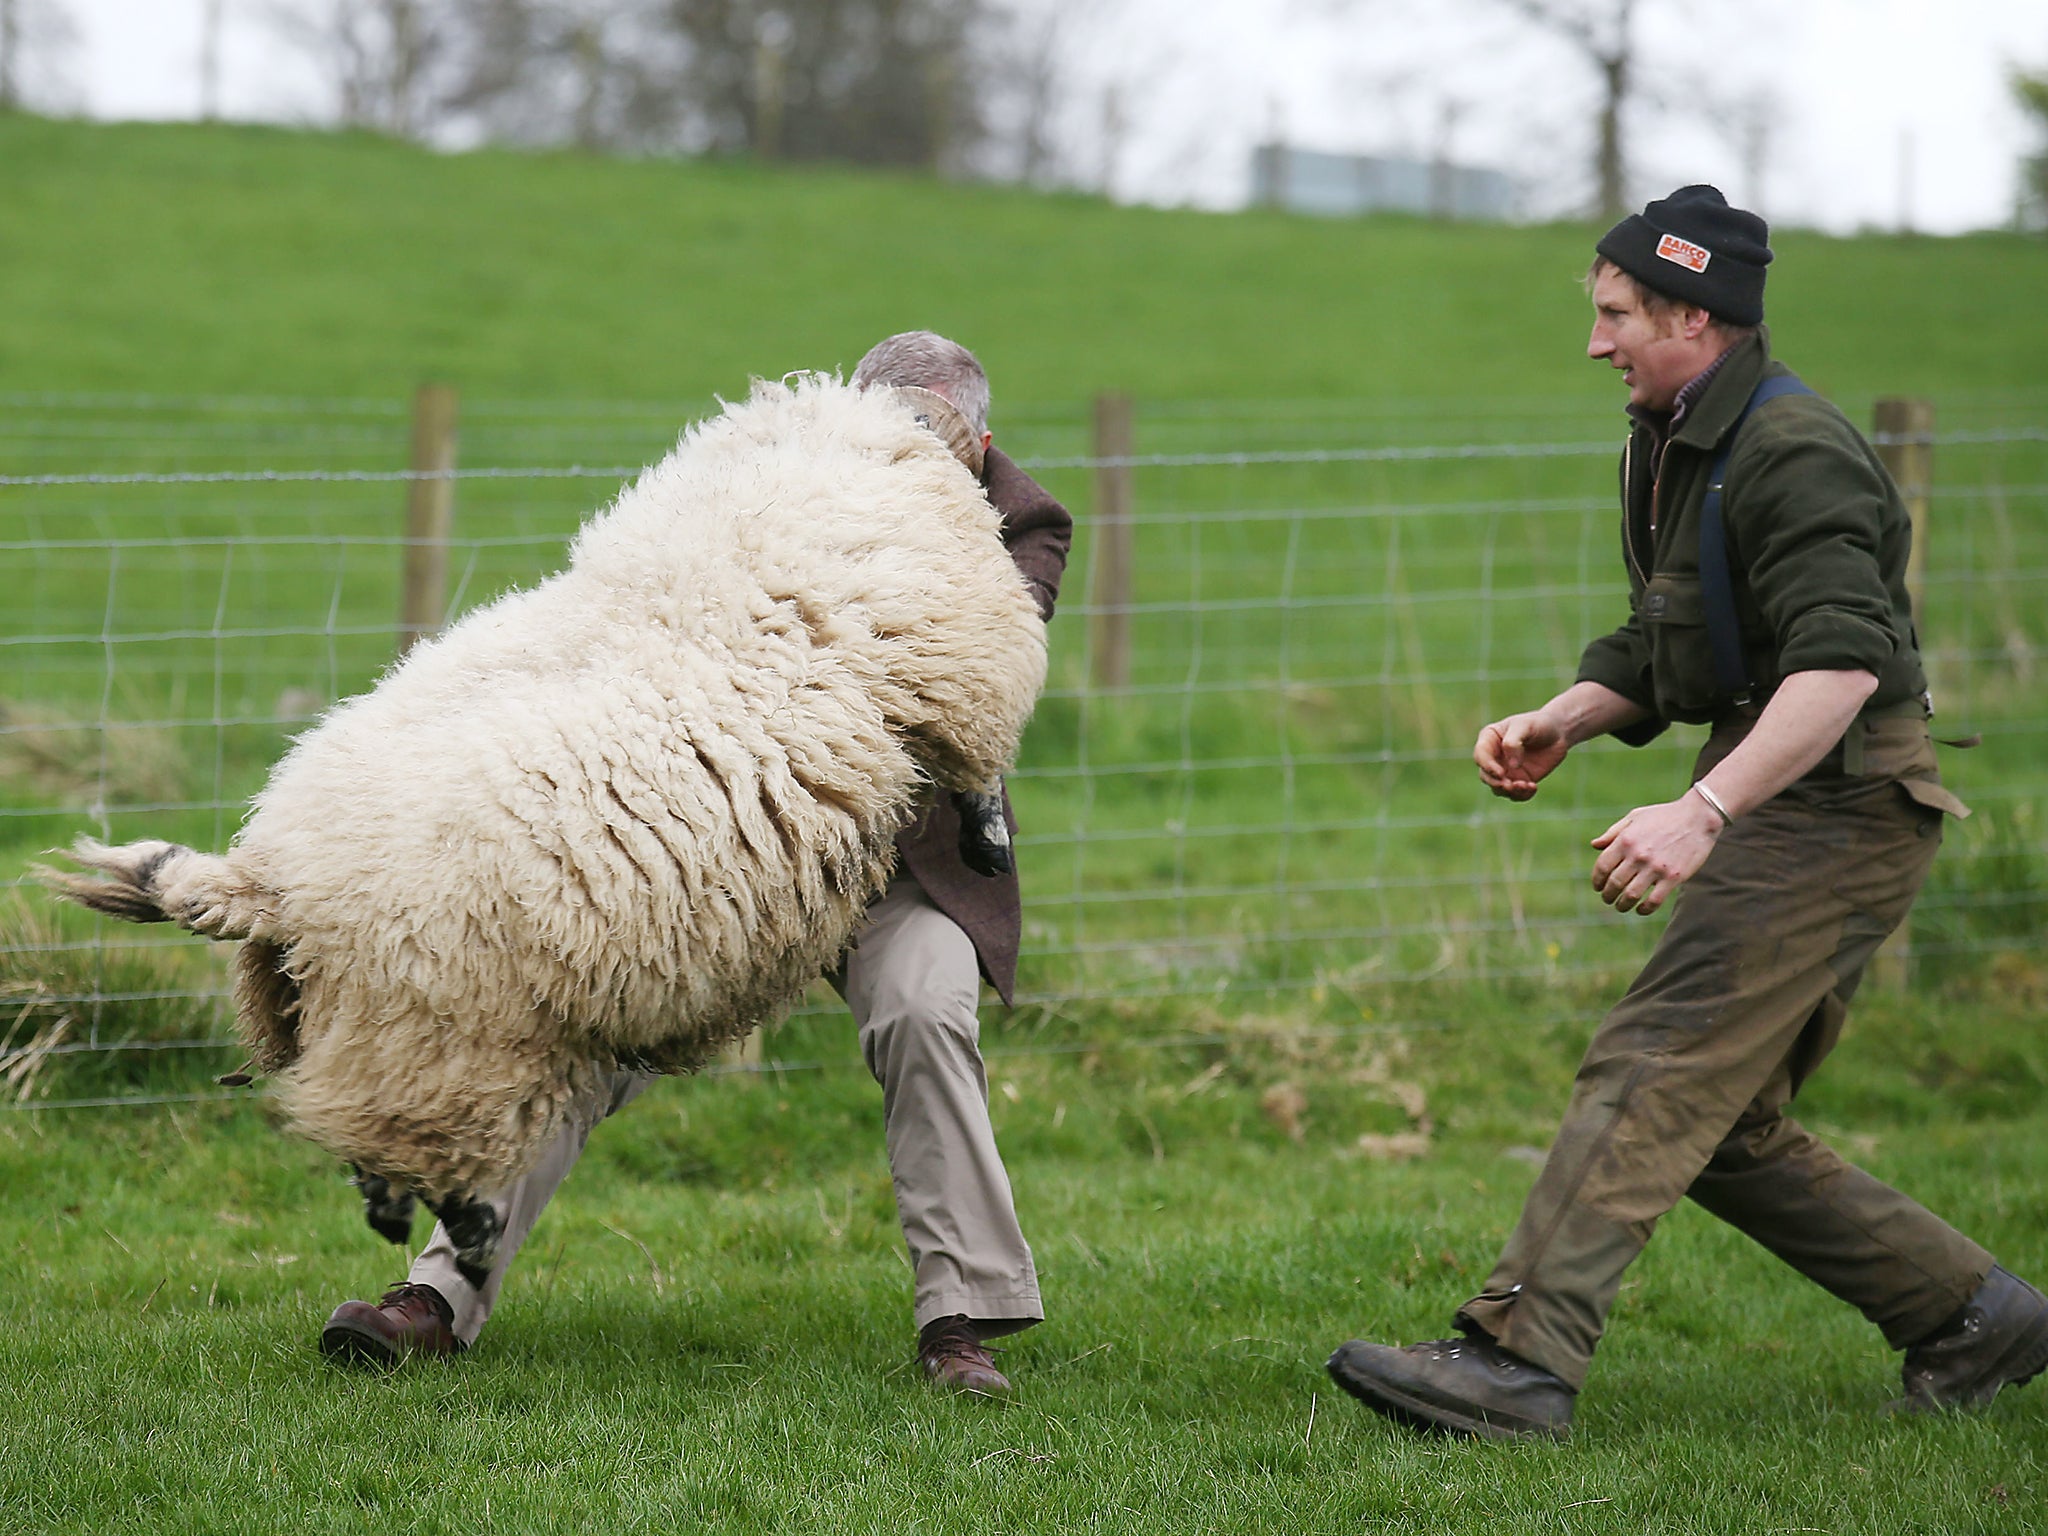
(1273, 795)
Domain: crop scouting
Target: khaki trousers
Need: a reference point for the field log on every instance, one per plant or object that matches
(912, 983)
(1683, 1090)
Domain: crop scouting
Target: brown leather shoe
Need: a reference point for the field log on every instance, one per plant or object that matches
(952, 1355)
(1468, 1386)
(410, 1320)
(1998, 1339)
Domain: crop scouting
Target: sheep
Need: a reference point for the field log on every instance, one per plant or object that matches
(622, 817)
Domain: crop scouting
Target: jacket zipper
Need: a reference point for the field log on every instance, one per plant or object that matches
(1628, 520)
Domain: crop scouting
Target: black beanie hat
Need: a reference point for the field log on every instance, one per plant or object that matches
(1698, 250)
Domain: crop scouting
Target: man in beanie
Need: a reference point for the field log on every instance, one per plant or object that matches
(1766, 555)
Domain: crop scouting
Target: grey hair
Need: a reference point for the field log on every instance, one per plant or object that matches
(928, 360)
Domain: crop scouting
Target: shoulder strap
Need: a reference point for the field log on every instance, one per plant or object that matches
(1717, 589)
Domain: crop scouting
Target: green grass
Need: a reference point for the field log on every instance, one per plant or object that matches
(710, 1328)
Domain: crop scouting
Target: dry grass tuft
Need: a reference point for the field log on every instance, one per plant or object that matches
(108, 763)
(61, 998)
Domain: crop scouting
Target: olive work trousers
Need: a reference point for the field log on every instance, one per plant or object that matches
(1684, 1087)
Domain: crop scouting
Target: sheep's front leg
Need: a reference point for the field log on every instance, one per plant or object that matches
(474, 1228)
(387, 1210)
(984, 834)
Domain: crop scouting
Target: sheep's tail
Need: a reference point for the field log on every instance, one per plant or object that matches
(155, 882)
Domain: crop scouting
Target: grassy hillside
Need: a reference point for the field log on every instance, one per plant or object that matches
(1357, 619)
(194, 260)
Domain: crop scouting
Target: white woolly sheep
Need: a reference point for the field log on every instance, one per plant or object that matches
(624, 816)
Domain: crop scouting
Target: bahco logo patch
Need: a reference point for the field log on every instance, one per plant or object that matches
(1689, 256)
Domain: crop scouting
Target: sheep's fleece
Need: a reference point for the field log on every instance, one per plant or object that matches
(627, 815)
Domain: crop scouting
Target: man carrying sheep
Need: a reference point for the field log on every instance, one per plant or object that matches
(912, 982)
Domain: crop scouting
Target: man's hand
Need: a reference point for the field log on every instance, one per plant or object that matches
(1652, 851)
(1516, 754)
(1655, 849)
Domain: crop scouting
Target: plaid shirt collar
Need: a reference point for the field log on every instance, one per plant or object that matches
(1663, 424)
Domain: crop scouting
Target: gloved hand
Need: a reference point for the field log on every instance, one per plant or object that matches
(984, 835)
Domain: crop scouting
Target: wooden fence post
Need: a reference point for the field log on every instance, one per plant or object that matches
(1909, 456)
(1905, 429)
(1111, 539)
(429, 515)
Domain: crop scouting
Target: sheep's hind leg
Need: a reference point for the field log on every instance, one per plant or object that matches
(474, 1228)
(388, 1211)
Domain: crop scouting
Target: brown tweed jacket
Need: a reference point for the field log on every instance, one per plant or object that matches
(1037, 532)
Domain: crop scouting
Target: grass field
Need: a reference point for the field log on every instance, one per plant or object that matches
(1274, 821)
(710, 1329)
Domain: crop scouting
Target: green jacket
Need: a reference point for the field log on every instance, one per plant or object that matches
(1817, 542)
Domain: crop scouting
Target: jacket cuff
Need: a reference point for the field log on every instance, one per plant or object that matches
(1611, 662)
(1642, 733)
(1829, 640)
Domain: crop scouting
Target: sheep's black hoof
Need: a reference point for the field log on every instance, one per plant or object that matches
(474, 1228)
(984, 833)
(388, 1211)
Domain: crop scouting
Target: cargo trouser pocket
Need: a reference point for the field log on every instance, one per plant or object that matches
(1900, 748)
(1925, 792)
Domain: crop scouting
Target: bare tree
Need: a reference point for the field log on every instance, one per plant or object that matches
(2031, 92)
(888, 82)
(209, 60)
(599, 74)
(379, 55)
(881, 81)
(1630, 90)
(10, 52)
(34, 36)
(1603, 32)
(1749, 122)
(1034, 74)
(1067, 88)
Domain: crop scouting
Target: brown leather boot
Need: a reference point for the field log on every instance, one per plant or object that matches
(1469, 1386)
(952, 1355)
(1998, 1339)
(410, 1320)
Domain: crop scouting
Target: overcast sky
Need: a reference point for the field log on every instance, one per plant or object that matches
(1881, 112)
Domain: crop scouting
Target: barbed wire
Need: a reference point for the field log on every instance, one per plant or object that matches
(1158, 767)
(774, 1067)
(1594, 401)
(1049, 1001)
(329, 476)
(1421, 453)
